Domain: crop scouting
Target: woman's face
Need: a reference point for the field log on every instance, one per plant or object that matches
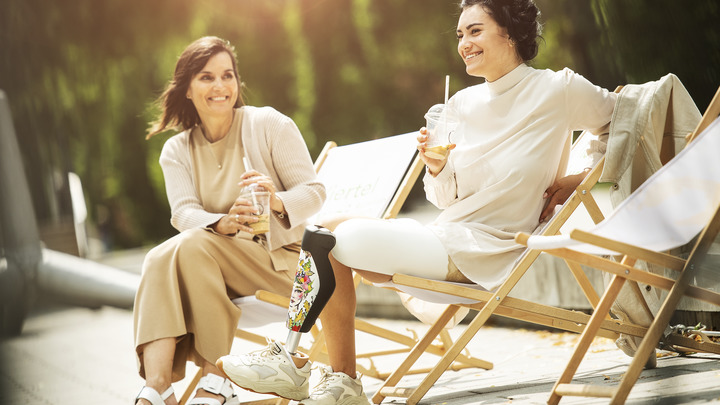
(484, 46)
(214, 90)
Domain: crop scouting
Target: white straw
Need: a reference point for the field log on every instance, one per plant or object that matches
(447, 87)
(246, 164)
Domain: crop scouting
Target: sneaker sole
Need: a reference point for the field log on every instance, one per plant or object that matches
(347, 401)
(281, 389)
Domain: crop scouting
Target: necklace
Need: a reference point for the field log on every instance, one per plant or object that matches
(210, 148)
(214, 157)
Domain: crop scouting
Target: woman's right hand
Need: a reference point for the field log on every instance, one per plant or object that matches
(238, 218)
(434, 166)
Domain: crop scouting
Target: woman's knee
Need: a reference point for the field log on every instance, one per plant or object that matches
(389, 246)
(175, 253)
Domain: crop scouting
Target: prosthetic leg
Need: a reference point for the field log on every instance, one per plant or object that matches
(313, 286)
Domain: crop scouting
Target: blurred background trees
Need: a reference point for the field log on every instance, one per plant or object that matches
(81, 76)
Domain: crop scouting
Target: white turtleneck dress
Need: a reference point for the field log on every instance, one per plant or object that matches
(512, 144)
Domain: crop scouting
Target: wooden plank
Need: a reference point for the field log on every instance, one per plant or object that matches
(639, 253)
(578, 390)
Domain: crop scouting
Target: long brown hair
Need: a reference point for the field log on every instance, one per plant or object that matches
(177, 110)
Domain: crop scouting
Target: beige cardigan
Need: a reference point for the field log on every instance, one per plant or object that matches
(274, 146)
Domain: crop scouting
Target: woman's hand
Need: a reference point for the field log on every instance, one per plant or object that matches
(255, 177)
(434, 166)
(559, 192)
(238, 218)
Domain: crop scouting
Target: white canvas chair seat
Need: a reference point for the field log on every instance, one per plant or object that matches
(678, 205)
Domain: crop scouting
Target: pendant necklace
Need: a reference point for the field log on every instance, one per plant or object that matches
(215, 157)
(210, 148)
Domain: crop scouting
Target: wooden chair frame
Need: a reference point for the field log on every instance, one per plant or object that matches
(623, 272)
(487, 303)
(500, 304)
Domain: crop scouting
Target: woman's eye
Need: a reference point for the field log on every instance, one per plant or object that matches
(205, 77)
(475, 31)
(228, 76)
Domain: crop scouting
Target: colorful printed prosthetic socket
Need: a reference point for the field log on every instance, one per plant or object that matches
(313, 286)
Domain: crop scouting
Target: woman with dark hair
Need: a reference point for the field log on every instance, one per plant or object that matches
(503, 176)
(183, 308)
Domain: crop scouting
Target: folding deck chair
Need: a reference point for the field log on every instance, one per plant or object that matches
(498, 303)
(678, 205)
(354, 188)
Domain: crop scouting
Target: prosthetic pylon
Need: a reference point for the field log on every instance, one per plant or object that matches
(313, 286)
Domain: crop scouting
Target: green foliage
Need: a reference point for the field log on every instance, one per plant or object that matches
(647, 39)
(82, 76)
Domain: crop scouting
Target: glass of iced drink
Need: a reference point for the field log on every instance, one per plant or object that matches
(441, 123)
(261, 202)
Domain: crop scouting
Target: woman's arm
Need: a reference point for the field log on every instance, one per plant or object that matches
(187, 211)
(299, 194)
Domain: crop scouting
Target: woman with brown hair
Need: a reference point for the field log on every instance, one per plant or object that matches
(183, 308)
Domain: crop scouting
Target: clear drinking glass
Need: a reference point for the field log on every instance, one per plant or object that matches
(261, 201)
(441, 122)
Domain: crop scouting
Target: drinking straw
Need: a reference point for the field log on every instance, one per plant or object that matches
(246, 164)
(447, 87)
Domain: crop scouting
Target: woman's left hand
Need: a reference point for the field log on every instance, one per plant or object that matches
(559, 192)
(255, 177)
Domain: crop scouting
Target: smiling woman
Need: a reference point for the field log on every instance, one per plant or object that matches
(183, 308)
(214, 92)
(493, 39)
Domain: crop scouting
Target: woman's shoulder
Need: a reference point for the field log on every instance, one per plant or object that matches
(181, 138)
(562, 76)
(263, 114)
(177, 143)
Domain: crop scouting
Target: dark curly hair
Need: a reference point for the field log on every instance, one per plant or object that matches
(177, 110)
(518, 17)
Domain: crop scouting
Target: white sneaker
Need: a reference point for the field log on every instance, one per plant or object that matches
(336, 388)
(268, 371)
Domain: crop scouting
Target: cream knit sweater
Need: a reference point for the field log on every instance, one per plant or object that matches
(274, 146)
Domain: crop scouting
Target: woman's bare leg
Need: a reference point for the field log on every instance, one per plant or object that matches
(158, 360)
(339, 332)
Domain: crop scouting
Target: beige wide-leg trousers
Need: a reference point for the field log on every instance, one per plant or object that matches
(187, 286)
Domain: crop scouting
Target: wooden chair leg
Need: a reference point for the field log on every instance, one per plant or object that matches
(586, 338)
(652, 337)
(451, 354)
(414, 355)
(191, 387)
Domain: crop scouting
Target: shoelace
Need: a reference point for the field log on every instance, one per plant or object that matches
(273, 349)
(325, 378)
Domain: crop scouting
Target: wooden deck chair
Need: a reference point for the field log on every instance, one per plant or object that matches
(498, 302)
(679, 204)
(354, 188)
